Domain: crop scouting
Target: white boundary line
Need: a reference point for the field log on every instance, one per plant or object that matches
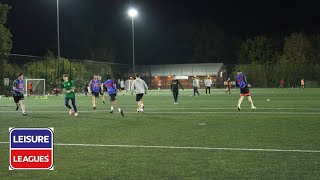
(186, 147)
(175, 112)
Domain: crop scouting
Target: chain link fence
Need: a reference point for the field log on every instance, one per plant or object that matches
(51, 69)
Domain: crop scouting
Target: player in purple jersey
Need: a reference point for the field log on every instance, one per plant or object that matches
(241, 82)
(102, 89)
(95, 87)
(18, 90)
(111, 89)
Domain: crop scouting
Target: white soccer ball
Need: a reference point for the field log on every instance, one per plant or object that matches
(268, 99)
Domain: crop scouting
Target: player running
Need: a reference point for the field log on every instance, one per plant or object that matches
(95, 86)
(68, 88)
(111, 89)
(18, 90)
(175, 83)
(140, 87)
(241, 82)
(228, 86)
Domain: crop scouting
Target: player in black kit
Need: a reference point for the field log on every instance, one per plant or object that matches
(175, 89)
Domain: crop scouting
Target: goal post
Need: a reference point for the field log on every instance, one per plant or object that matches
(38, 87)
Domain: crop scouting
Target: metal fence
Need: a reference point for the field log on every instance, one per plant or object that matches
(81, 71)
(52, 69)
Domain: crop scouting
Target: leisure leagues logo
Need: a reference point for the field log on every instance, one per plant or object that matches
(31, 148)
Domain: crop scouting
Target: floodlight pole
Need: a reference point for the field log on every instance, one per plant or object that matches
(58, 38)
(133, 66)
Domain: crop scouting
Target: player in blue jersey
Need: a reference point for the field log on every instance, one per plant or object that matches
(18, 90)
(102, 89)
(111, 89)
(241, 82)
(95, 87)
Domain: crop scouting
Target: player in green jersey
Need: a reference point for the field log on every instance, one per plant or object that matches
(68, 88)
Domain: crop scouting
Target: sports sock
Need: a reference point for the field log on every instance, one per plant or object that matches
(250, 101)
(240, 100)
(111, 108)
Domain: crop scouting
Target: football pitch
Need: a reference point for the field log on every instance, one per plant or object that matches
(204, 137)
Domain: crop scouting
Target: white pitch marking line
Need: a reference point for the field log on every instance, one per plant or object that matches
(187, 147)
(174, 112)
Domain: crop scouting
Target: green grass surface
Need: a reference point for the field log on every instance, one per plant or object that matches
(289, 121)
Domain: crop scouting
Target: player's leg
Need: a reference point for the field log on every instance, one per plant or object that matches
(112, 102)
(209, 88)
(240, 101)
(94, 100)
(73, 101)
(66, 103)
(242, 93)
(251, 102)
(116, 105)
(22, 105)
(174, 97)
(138, 102)
(177, 95)
(103, 98)
(16, 100)
(141, 105)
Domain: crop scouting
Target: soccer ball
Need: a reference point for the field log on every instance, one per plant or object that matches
(268, 99)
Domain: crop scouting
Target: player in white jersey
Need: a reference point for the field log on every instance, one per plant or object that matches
(208, 83)
(122, 85)
(195, 85)
(140, 87)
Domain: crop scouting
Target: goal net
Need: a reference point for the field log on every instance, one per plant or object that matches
(38, 87)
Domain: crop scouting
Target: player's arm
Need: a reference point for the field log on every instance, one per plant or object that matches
(14, 86)
(145, 87)
(180, 85)
(63, 89)
(90, 86)
(72, 86)
(132, 87)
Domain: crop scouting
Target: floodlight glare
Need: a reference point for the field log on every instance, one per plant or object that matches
(132, 12)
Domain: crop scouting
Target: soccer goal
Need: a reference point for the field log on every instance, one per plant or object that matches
(38, 87)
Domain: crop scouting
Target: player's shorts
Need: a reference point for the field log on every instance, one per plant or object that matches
(122, 88)
(245, 91)
(175, 90)
(17, 98)
(113, 97)
(95, 94)
(139, 97)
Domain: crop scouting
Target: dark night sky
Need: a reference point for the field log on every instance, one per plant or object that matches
(85, 23)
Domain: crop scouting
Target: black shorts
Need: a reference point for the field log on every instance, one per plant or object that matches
(95, 94)
(139, 97)
(175, 90)
(122, 89)
(112, 97)
(245, 91)
(17, 98)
